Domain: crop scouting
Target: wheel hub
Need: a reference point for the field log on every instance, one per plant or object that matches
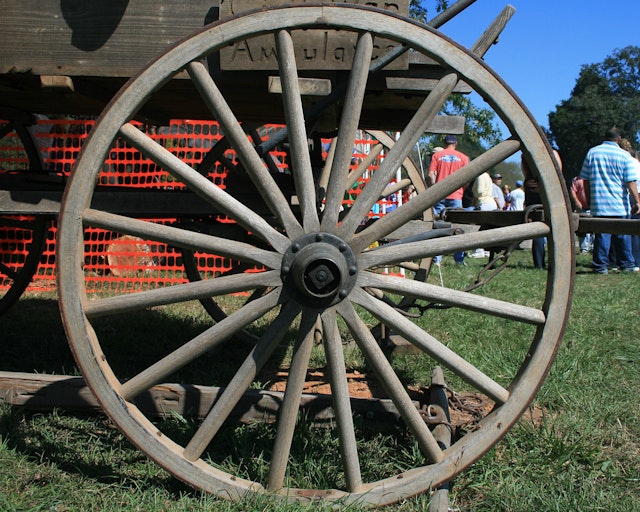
(319, 269)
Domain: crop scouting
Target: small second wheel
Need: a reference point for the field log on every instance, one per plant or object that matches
(23, 238)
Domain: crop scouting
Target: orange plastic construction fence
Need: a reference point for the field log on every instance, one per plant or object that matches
(115, 262)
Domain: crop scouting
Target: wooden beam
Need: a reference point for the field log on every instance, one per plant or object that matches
(308, 86)
(46, 392)
(421, 84)
(115, 38)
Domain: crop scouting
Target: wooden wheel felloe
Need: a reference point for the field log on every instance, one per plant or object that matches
(20, 254)
(22, 237)
(317, 269)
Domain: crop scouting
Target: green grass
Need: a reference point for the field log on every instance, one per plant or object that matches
(582, 455)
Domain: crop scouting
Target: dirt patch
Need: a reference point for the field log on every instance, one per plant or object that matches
(465, 409)
(360, 385)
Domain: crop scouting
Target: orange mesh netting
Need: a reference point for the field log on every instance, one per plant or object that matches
(116, 262)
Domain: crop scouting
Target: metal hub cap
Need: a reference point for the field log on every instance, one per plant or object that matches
(319, 269)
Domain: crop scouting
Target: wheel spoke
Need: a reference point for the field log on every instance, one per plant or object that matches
(396, 252)
(400, 216)
(451, 297)
(241, 381)
(7, 271)
(354, 175)
(294, 115)
(395, 187)
(328, 163)
(220, 285)
(398, 153)
(354, 99)
(288, 413)
(183, 238)
(315, 111)
(394, 388)
(203, 187)
(431, 346)
(253, 164)
(341, 400)
(267, 157)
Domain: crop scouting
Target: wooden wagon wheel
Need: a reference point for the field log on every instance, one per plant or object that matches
(24, 237)
(316, 268)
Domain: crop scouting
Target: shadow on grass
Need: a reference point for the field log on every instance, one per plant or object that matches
(85, 445)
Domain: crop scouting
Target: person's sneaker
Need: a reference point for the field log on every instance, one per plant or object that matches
(631, 269)
(613, 269)
(461, 263)
(603, 272)
(478, 253)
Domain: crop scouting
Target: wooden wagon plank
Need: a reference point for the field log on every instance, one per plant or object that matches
(48, 37)
(140, 203)
(315, 49)
(46, 392)
(87, 50)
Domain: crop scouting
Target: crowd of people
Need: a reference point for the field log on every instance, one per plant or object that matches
(606, 187)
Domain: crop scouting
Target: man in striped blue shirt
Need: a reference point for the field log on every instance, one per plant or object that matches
(610, 178)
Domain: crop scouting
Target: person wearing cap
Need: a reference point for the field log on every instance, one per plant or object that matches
(443, 164)
(517, 196)
(498, 195)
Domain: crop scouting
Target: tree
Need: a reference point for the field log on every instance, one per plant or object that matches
(418, 9)
(480, 130)
(605, 95)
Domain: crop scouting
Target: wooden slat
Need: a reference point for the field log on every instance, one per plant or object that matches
(421, 85)
(140, 203)
(612, 226)
(315, 49)
(95, 46)
(308, 86)
(45, 392)
(49, 37)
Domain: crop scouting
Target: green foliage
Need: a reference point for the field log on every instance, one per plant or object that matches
(606, 94)
(423, 10)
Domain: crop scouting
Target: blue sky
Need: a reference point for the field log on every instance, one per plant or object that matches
(543, 47)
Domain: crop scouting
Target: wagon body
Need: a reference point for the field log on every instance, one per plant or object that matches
(70, 58)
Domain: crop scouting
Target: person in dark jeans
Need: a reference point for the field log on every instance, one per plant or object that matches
(610, 175)
(531, 197)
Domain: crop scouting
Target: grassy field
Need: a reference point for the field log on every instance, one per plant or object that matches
(582, 454)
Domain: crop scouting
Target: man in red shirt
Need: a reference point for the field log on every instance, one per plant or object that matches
(443, 164)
